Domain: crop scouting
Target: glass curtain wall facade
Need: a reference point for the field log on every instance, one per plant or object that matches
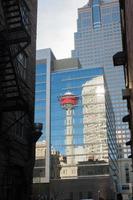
(40, 96)
(42, 115)
(79, 140)
(97, 39)
(91, 126)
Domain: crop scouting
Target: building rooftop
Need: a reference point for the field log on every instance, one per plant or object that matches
(67, 63)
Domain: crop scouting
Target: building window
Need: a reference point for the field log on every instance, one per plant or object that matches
(64, 171)
(125, 187)
(71, 195)
(80, 195)
(96, 15)
(89, 195)
(20, 121)
(127, 173)
(25, 14)
(22, 64)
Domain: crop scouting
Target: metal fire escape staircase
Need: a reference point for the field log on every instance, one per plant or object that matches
(14, 38)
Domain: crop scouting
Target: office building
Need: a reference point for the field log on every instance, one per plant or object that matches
(42, 102)
(126, 177)
(39, 169)
(65, 99)
(17, 68)
(97, 39)
(93, 98)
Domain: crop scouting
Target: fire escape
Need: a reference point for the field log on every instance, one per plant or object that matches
(14, 39)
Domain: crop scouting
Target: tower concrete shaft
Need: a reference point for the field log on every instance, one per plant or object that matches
(69, 136)
(68, 101)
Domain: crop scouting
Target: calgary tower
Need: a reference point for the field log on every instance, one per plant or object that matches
(68, 101)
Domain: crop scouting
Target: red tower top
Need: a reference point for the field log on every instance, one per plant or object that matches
(68, 100)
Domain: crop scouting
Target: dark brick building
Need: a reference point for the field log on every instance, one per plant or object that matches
(84, 188)
(17, 69)
(93, 182)
(94, 187)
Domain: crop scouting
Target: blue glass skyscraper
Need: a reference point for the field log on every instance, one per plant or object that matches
(77, 143)
(97, 39)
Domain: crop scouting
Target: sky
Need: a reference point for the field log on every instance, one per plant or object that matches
(57, 24)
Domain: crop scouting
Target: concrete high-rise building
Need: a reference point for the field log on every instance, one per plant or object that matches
(97, 39)
(17, 77)
(95, 119)
(39, 169)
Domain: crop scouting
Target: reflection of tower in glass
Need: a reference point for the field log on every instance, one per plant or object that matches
(68, 101)
(94, 120)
